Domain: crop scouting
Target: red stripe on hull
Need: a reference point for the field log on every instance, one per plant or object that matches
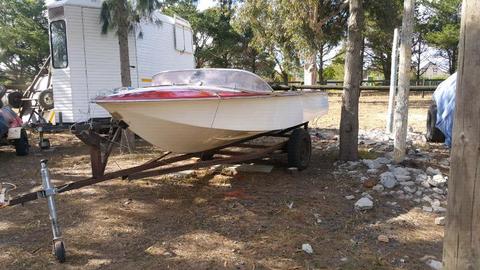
(177, 94)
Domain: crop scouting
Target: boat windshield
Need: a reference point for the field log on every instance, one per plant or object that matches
(228, 78)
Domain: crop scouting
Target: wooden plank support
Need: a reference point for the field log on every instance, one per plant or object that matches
(207, 163)
(461, 245)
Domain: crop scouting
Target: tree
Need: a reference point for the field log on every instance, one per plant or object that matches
(23, 41)
(270, 36)
(122, 15)
(443, 28)
(404, 68)
(382, 17)
(461, 244)
(316, 27)
(352, 81)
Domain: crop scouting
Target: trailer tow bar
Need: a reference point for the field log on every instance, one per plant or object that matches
(49, 192)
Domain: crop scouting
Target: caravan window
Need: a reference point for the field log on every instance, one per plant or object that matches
(58, 41)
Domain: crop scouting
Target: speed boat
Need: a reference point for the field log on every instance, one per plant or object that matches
(189, 111)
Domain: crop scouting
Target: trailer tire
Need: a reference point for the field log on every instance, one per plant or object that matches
(299, 149)
(45, 99)
(433, 133)
(21, 145)
(204, 156)
(15, 99)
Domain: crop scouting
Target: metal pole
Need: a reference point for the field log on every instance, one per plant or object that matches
(49, 192)
(393, 81)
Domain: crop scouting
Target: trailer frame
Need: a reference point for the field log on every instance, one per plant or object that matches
(101, 147)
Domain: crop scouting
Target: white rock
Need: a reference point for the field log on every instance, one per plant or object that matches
(438, 190)
(364, 204)
(352, 165)
(440, 197)
(440, 221)
(372, 171)
(437, 180)
(439, 209)
(409, 189)
(427, 199)
(349, 197)
(365, 194)
(407, 183)
(372, 164)
(427, 209)
(444, 162)
(383, 238)
(307, 248)
(415, 171)
(435, 202)
(436, 265)
(249, 168)
(402, 178)
(388, 180)
(431, 171)
(378, 188)
(420, 178)
(400, 171)
(425, 184)
(384, 160)
(392, 203)
(418, 193)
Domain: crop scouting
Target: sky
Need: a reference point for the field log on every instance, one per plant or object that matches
(204, 4)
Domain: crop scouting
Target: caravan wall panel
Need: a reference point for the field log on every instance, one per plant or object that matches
(156, 51)
(94, 61)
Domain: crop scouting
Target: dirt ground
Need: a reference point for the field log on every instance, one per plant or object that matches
(215, 221)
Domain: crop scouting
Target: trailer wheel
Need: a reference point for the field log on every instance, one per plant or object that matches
(299, 149)
(14, 99)
(45, 99)
(59, 251)
(204, 156)
(21, 145)
(433, 133)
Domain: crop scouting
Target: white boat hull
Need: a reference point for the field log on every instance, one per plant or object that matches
(186, 126)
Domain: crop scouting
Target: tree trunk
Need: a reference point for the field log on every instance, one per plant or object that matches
(401, 107)
(461, 245)
(310, 70)
(128, 137)
(285, 77)
(352, 80)
(393, 82)
(320, 66)
(419, 59)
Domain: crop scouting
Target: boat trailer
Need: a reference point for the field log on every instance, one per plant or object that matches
(296, 143)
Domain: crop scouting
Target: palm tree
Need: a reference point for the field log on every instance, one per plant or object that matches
(121, 16)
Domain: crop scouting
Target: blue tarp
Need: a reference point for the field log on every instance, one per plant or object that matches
(444, 97)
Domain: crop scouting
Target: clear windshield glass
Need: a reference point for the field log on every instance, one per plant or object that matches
(228, 78)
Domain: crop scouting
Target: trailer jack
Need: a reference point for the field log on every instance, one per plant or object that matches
(49, 192)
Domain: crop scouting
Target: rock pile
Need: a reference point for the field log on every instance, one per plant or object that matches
(424, 187)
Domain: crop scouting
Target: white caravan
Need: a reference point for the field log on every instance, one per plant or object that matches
(86, 63)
